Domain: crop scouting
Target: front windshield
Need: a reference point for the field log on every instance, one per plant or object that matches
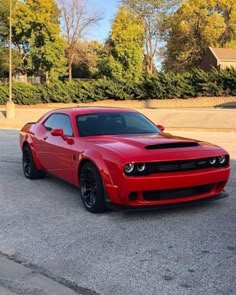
(114, 123)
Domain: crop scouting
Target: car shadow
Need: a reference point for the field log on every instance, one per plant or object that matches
(227, 105)
(155, 211)
(68, 193)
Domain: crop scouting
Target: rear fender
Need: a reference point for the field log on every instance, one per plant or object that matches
(26, 134)
(28, 140)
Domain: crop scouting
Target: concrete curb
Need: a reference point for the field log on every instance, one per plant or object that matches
(16, 278)
(4, 291)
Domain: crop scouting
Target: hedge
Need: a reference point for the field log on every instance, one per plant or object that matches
(162, 86)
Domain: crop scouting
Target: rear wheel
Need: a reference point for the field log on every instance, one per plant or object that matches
(91, 189)
(29, 168)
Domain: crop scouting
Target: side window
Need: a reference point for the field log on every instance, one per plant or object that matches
(59, 121)
(48, 124)
(63, 121)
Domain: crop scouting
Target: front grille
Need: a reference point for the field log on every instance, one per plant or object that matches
(177, 193)
(173, 166)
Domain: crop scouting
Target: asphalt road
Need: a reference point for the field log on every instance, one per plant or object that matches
(44, 226)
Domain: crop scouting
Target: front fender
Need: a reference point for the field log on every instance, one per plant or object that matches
(110, 167)
(98, 160)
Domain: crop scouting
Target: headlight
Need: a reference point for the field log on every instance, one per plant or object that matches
(219, 161)
(141, 167)
(222, 160)
(135, 169)
(212, 161)
(129, 168)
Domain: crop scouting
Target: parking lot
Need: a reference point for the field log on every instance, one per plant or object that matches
(44, 225)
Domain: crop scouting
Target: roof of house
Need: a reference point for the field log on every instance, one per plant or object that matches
(224, 54)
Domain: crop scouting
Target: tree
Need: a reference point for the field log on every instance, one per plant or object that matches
(4, 22)
(4, 18)
(153, 14)
(76, 20)
(87, 57)
(36, 35)
(227, 8)
(125, 47)
(4, 41)
(4, 61)
(196, 25)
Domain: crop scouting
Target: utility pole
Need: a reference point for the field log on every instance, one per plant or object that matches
(10, 110)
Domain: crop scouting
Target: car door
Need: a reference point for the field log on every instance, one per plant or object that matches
(55, 152)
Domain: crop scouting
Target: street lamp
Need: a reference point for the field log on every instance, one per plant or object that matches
(10, 110)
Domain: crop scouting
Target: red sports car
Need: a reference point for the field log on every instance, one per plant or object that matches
(119, 156)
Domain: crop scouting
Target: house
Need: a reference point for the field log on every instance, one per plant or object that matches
(219, 58)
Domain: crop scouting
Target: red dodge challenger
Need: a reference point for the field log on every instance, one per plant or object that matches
(118, 156)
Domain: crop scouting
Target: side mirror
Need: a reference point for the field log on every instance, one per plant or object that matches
(60, 132)
(161, 127)
(57, 132)
(70, 141)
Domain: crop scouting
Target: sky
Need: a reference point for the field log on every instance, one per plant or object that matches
(108, 9)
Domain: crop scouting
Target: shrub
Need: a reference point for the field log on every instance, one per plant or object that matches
(168, 85)
(3, 93)
(25, 94)
(21, 94)
(55, 92)
(117, 90)
(162, 85)
(227, 81)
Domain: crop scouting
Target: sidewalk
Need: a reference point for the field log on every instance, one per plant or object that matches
(185, 118)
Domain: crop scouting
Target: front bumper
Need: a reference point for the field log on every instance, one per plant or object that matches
(219, 196)
(183, 187)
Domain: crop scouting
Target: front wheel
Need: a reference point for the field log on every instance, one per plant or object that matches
(91, 189)
(29, 168)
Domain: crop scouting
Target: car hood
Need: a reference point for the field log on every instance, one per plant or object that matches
(147, 141)
(157, 146)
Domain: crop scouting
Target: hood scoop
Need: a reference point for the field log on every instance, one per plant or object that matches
(172, 145)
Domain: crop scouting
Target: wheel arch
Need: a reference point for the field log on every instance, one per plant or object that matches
(25, 143)
(31, 146)
(98, 161)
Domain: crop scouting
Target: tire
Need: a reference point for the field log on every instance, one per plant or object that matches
(92, 189)
(29, 168)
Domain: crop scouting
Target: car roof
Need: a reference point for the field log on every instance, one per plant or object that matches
(90, 110)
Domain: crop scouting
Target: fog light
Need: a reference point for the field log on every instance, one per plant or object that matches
(129, 168)
(133, 196)
(212, 161)
(222, 159)
(141, 167)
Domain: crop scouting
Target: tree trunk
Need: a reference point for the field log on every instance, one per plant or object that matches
(70, 71)
(47, 77)
(25, 78)
(150, 68)
(149, 65)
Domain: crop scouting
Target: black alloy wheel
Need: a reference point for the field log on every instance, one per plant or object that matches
(29, 168)
(92, 189)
